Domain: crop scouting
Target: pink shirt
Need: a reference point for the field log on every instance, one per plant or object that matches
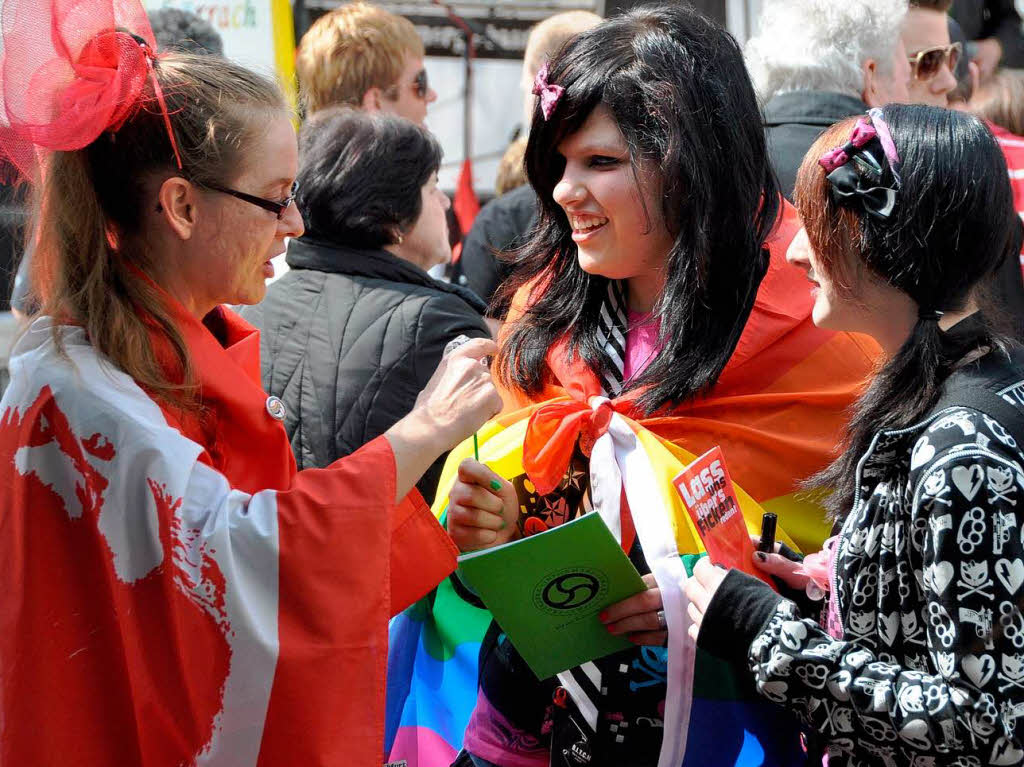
(641, 343)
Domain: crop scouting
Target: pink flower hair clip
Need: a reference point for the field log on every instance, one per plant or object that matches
(549, 94)
(863, 132)
(867, 128)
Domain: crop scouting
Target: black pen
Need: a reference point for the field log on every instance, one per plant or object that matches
(768, 522)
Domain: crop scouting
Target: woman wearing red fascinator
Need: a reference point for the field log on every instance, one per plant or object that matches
(175, 592)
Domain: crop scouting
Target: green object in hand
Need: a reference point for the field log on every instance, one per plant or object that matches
(563, 578)
(495, 485)
(476, 448)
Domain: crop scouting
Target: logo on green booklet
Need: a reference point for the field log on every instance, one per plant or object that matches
(569, 589)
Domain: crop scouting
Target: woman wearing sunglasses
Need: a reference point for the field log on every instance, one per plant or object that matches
(931, 54)
(174, 590)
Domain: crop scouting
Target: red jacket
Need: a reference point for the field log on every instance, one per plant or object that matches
(175, 593)
(1013, 150)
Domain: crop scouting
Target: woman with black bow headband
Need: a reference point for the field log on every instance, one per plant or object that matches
(920, 656)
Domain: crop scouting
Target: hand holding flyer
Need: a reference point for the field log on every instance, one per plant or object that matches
(707, 491)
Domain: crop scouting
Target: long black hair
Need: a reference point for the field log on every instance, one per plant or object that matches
(676, 85)
(952, 225)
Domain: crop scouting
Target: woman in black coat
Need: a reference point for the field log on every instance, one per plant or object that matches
(355, 328)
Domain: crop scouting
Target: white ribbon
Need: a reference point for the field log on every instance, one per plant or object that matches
(617, 457)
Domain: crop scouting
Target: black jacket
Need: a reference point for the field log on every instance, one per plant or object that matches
(348, 339)
(503, 224)
(793, 121)
(981, 19)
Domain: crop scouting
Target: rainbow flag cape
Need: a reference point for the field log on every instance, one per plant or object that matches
(777, 412)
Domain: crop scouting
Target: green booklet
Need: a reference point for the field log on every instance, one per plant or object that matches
(546, 592)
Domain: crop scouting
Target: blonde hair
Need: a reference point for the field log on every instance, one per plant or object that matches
(1001, 100)
(351, 49)
(511, 169)
(91, 262)
(545, 40)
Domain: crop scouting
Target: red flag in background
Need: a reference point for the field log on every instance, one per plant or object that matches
(466, 205)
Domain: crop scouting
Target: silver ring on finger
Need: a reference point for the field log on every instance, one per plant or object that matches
(662, 622)
(454, 344)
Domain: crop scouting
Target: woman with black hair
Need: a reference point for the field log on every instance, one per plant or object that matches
(687, 250)
(352, 333)
(655, 278)
(906, 211)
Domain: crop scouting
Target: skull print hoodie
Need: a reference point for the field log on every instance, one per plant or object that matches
(929, 574)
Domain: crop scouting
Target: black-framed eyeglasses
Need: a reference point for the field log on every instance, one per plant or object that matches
(926, 64)
(274, 206)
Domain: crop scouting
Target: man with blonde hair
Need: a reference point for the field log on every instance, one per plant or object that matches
(368, 58)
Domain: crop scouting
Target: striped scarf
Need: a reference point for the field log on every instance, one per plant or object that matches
(584, 683)
(613, 323)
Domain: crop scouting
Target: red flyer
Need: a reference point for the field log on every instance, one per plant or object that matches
(707, 491)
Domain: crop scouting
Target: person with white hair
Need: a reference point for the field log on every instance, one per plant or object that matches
(815, 62)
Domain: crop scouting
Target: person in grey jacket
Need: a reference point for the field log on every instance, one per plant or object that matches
(353, 332)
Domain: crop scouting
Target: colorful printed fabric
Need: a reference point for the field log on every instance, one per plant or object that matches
(174, 592)
(777, 412)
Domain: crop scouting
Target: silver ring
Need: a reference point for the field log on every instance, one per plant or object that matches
(454, 344)
(662, 623)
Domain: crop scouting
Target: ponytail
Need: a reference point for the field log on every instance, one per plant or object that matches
(83, 279)
(902, 393)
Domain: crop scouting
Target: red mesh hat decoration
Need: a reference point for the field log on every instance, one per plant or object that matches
(70, 70)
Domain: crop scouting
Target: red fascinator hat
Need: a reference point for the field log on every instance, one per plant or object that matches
(70, 70)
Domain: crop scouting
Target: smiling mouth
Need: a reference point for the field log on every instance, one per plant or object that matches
(583, 225)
